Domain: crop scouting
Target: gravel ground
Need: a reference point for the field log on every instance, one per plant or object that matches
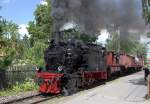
(22, 95)
(65, 99)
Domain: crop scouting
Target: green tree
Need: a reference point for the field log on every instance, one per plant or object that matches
(127, 45)
(87, 38)
(139, 49)
(41, 28)
(1, 32)
(114, 43)
(13, 38)
(146, 10)
(9, 38)
(35, 54)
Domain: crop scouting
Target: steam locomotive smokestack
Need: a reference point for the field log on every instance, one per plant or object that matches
(92, 16)
(57, 36)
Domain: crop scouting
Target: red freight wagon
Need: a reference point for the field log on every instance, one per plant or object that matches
(113, 62)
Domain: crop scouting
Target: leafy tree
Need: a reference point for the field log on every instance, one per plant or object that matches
(146, 10)
(87, 38)
(13, 38)
(9, 38)
(127, 45)
(1, 31)
(114, 43)
(139, 49)
(26, 42)
(35, 54)
(41, 28)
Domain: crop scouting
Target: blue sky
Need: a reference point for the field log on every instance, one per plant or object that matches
(19, 11)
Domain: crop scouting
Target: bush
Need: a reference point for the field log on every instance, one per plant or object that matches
(35, 54)
(28, 85)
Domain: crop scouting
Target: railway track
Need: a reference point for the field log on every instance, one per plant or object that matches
(35, 99)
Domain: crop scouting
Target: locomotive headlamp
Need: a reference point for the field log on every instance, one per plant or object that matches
(60, 68)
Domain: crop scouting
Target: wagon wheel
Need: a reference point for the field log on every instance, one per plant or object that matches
(108, 72)
(65, 92)
(123, 70)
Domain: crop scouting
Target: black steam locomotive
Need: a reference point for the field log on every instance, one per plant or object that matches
(73, 64)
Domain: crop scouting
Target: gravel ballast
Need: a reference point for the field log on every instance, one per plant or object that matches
(20, 96)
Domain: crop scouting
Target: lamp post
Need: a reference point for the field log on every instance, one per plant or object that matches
(148, 78)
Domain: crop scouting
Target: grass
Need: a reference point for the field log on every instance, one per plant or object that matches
(147, 97)
(28, 85)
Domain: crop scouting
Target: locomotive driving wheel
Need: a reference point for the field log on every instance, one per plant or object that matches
(70, 86)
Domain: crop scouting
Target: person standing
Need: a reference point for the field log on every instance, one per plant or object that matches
(147, 72)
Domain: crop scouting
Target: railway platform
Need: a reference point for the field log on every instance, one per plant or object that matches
(131, 89)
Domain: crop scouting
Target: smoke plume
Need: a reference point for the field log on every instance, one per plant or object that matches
(93, 15)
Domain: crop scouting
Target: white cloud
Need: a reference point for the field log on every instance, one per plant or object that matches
(103, 37)
(43, 2)
(23, 29)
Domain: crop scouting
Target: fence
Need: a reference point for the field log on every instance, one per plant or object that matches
(15, 74)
